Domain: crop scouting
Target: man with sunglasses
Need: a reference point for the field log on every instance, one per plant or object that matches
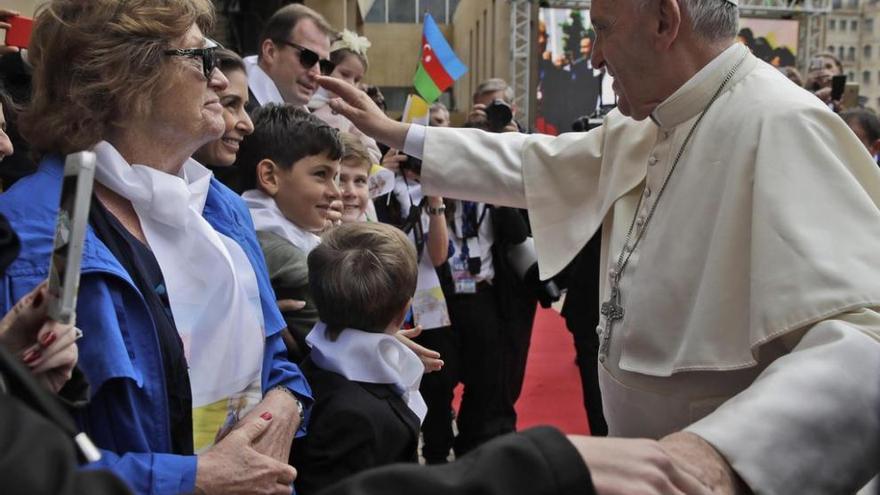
(294, 48)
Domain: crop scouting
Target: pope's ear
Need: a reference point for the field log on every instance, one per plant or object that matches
(667, 22)
(267, 176)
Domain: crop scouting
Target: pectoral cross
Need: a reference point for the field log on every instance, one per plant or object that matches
(612, 311)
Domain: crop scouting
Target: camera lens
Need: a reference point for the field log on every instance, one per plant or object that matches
(498, 115)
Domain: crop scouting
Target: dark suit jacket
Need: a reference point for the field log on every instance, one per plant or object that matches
(539, 461)
(36, 440)
(353, 426)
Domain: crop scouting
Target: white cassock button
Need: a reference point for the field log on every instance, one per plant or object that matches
(612, 273)
(640, 220)
(652, 160)
(647, 192)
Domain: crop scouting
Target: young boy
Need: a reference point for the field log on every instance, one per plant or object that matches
(289, 169)
(354, 177)
(365, 382)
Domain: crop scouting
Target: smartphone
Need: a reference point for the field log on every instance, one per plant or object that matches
(850, 97)
(70, 233)
(19, 32)
(837, 84)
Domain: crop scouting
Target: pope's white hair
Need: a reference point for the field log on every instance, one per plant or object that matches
(713, 20)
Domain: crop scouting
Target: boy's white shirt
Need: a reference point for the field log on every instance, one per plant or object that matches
(371, 358)
(268, 218)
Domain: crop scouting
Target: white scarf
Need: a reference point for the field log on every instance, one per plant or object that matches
(212, 288)
(260, 84)
(371, 358)
(267, 217)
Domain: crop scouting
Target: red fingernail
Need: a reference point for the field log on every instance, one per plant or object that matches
(266, 415)
(31, 356)
(47, 339)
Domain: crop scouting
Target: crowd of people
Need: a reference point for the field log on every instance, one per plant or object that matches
(281, 286)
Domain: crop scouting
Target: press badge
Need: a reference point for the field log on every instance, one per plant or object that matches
(465, 283)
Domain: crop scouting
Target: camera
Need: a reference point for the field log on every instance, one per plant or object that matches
(498, 115)
(412, 164)
(524, 260)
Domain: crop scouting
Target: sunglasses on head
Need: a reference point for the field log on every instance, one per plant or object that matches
(308, 58)
(207, 54)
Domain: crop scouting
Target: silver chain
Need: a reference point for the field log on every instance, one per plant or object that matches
(627, 250)
(611, 309)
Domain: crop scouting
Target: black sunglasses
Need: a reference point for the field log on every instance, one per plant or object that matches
(308, 58)
(208, 55)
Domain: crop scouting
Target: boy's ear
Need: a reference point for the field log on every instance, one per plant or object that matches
(267, 177)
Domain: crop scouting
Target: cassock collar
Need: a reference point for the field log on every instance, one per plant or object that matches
(692, 97)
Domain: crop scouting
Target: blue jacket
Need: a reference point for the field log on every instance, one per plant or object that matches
(127, 416)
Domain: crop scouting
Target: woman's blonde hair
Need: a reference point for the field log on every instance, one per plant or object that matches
(99, 62)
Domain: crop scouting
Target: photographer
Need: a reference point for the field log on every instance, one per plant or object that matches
(490, 305)
(823, 68)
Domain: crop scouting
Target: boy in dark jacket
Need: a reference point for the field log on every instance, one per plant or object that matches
(367, 408)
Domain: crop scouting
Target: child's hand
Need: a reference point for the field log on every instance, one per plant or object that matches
(431, 359)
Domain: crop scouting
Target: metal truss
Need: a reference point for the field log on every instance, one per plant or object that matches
(521, 45)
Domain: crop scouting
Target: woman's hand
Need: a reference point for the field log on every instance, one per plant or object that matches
(431, 359)
(47, 347)
(285, 420)
(5, 14)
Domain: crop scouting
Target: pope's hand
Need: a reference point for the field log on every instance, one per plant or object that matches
(360, 109)
(704, 461)
(624, 466)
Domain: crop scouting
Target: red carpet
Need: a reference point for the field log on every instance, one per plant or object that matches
(552, 392)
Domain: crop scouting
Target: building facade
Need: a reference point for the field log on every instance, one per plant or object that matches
(852, 33)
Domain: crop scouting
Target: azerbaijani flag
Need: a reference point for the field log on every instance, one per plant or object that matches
(439, 67)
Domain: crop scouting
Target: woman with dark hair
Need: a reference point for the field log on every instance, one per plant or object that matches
(178, 315)
(219, 155)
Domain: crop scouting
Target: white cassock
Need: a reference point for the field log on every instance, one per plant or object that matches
(751, 302)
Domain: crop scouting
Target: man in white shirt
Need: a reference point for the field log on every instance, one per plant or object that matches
(294, 49)
(741, 323)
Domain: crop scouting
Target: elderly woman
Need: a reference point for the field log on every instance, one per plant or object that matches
(177, 311)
